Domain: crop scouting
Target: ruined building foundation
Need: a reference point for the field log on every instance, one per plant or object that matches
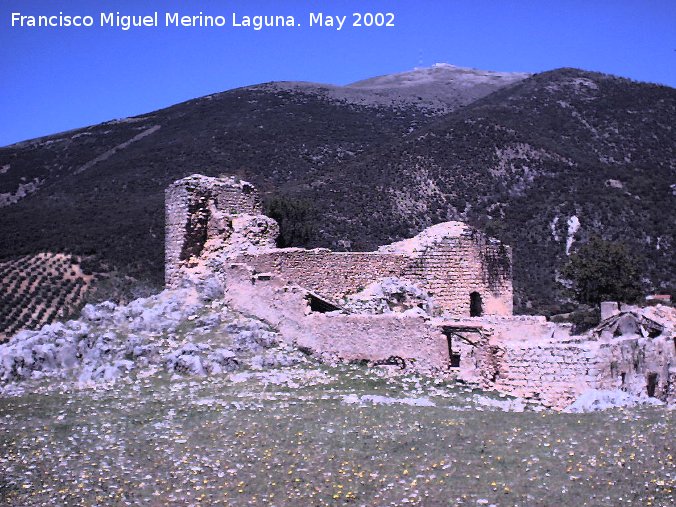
(216, 227)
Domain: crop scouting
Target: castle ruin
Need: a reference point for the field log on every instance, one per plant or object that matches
(216, 228)
(466, 272)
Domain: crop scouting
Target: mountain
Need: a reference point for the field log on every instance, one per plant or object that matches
(542, 162)
(439, 89)
(542, 165)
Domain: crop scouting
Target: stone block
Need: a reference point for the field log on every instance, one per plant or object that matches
(608, 309)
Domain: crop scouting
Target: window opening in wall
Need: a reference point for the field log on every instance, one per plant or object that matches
(652, 384)
(454, 357)
(475, 305)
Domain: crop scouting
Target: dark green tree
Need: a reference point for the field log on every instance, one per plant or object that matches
(295, 218)
(603, 271)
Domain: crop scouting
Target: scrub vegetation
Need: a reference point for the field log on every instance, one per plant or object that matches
(350, 173)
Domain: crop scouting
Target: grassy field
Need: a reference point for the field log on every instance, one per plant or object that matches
(322, 436)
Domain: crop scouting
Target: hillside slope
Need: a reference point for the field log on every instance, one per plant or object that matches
(542, 164)
(81, 190)
(95, 192)
(520, 162)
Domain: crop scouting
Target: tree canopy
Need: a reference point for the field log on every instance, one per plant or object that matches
(295, 219)
(603, 270)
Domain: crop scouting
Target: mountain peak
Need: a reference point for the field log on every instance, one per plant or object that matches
(438, 89)
(443, 74)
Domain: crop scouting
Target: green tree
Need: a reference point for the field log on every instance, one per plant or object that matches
(603, 271)
(295, 219)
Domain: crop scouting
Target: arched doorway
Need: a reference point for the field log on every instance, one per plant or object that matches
(475, 305)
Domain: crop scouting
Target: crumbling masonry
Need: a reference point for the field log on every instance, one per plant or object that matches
(216, 227)
(451, 261)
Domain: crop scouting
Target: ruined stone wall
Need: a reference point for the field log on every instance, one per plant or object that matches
(175, 219)
(348, 337)
(455, 267)
(189, 203)
(557, 371)
(552, 372)
(329, 274)
(452, 262)
(639, 366)
(450, 271)
(522, 356)
(374, 337)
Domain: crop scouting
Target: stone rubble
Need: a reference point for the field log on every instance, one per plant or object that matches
(596, 400)
(181, 331)
(390, 295)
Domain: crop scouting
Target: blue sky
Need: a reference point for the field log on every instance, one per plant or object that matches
(54, 79)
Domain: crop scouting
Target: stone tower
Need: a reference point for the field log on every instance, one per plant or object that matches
(191, 204)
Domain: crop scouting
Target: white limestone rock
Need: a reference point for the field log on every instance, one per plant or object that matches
(182, 331)
(595, 400)
(390, 295)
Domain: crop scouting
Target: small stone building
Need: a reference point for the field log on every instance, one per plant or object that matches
(466, 272)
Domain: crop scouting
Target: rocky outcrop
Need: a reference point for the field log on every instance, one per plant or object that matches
(183, 331)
